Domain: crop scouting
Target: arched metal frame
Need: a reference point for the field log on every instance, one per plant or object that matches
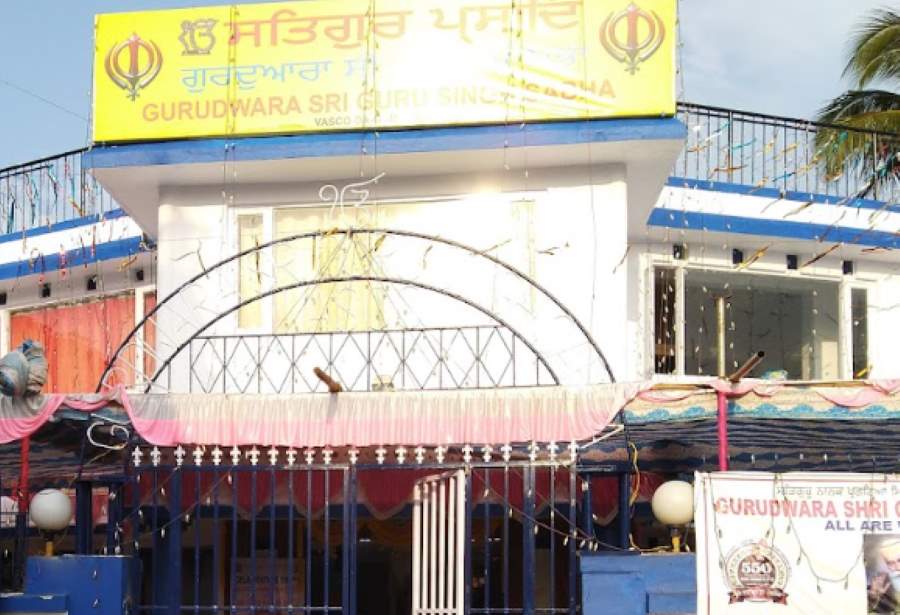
(352, 279)
(366, 231)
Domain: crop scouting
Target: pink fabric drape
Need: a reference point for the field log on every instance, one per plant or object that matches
(19, 419)
(391, 419)
(430, 418)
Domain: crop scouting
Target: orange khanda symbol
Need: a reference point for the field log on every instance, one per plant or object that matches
(644, 33)
(143, 60)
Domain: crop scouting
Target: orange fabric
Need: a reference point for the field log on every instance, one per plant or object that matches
(149, 335)
(79, 340)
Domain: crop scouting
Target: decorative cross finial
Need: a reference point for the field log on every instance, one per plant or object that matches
(533, 450)
(486, 452)
(310, 456)
(506, 449)
(253, 455)
(327, 454)
(467, 453)
(273, 456)
(401, 454)
(235, 455)
(291, 455)
(380, 452)
(353, 455)
(179, 455)
(420, 454)
(439, 453)
(552, 449)
(197, 454)
(136, 455)
(573, 451)
(155, 456)
(216, 456)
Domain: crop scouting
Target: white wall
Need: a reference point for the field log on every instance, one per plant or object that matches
(569, 235)
(874, 270)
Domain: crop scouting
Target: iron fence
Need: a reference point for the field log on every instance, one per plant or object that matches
(724, 145)
(403, 359)
(765, 151)
(318, 538)
(46, 192)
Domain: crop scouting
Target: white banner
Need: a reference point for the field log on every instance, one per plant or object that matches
(812, 543)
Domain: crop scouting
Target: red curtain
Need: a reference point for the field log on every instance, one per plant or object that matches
(79, 341)
(149, 335)
(383, 492)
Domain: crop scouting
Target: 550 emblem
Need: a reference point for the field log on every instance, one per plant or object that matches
(756, 572)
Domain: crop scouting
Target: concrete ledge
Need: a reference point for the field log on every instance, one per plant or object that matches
(34, 604)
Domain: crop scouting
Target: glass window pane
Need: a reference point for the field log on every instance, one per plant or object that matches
(294, 261)
(664, 320)
(860, 332)
(794, 321)
(250, 229)
(346, 306)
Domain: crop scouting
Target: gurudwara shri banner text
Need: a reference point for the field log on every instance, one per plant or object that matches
(814, 543)
(324, 65)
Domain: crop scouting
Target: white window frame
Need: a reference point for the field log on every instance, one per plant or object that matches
(650, 262)
(267, 303)
(139, 314)
(847, 331)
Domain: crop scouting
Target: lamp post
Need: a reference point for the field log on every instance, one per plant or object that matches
(51, 512)
(673, 505)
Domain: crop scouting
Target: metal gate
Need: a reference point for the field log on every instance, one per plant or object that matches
(439, 543)
(245, 531)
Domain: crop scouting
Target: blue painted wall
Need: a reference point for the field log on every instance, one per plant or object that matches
(76, 584)
(633, 584)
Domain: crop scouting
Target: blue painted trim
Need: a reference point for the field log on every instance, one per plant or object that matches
(121, 248)
(62, 226)
(388, 142)
(688, 220)
(764, 411)
(775, 193)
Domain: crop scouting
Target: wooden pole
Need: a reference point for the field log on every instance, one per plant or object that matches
(331, 383)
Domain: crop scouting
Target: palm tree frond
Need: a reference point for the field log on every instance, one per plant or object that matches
(874, 47)
(849, 107)
(856, 150)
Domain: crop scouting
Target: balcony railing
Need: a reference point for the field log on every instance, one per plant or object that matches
(409, 359)
(765, 151)
(46, 192)
(723, 145)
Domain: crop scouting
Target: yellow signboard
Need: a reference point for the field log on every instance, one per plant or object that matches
(324, 65)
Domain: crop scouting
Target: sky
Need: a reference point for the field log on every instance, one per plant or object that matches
(782, 57)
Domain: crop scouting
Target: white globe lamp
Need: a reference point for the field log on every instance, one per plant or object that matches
(673, 505)
(50, 511)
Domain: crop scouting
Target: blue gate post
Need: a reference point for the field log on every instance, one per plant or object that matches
(20, 552)
(348, 565)
(84, 522)
(528, 525)
(587, 514)
(625, 510)
(572, 541)
(467, 571)
(114, 509)
(172, 547)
